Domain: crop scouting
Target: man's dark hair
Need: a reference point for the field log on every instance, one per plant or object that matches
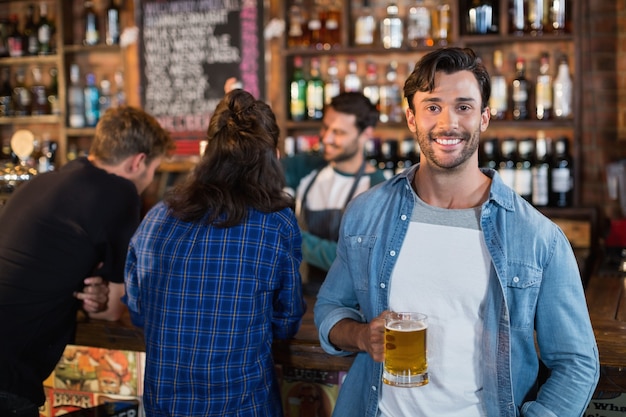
(449, 61)
(358, 105)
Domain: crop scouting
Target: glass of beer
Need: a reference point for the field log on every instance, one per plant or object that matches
(405, 362)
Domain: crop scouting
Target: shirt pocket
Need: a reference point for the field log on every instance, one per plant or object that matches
(523, 290)
(359, 250)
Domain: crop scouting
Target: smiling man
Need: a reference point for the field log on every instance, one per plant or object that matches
(492, 274)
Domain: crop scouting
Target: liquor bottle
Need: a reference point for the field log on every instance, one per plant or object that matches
(40, 104)
(392, 28)
(536, 15)
(480, 17)
(22, 97)
(489, 155)
(517, 16)
(75, 99)
(543, 89)
(120, 93)
(418, 27)
(332, 25)
(391, 96)
(558, 14)
(44, 30)
(409, 156)
(92, 36)
(389, 157)
(297, 103)
(520, 91)
(296, 35)
(562, 175)
(352, 81)
(441, 23)
(523, 169)
(498, 101)
(92, 101)
(314, 27)
(373, 152)
(315, 92)
(507, 163)
(105, 101)
(371, 88)
(541, 171)
(365, 26)
(332, 85)
(30, 43)
(563, 91)
(15, 39)
(6, 93)
(112, 24)
(53, 91)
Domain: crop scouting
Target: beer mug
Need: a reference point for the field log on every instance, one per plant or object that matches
(405, 363)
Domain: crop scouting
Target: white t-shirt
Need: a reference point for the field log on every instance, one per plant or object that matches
(443, 271)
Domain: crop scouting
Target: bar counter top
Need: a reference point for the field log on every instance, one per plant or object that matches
(303, 351)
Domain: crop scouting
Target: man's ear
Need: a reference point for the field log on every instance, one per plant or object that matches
(136, 162)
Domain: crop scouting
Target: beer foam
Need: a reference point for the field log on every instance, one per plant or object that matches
(406, 326)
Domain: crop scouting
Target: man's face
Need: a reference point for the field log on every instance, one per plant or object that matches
(341, 138)
(447, 121)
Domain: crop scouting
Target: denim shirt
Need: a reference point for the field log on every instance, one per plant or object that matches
(535, 289)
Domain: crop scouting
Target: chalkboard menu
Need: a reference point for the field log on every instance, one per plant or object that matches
(189, 48)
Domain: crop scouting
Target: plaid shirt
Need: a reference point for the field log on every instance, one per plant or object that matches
(211, 300)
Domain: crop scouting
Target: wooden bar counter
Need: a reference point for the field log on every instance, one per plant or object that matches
(303, 351)
(606, 299)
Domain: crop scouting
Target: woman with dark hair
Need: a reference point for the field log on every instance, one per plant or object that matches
(212, 274)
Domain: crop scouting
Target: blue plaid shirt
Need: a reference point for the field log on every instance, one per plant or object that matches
(211, 301)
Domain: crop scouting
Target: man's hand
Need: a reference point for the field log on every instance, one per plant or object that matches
(95, 295)
(352, 336)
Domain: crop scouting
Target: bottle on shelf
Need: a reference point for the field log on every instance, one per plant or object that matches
(120, 93)
(371, 86)
(517, 17)
(364, 25)
(92, 34)
(297, 88)
(480, 18)
(392, 28)
(562, 90)
(75, 99)
(558, 15)
(519, 92)
(6, 93)
(389, 157)
(44, 30)
(418, 26)
(562, 175)
(543, 89)
(489, 155)
(408, 155)
(331, 17)
(498, 101)
(112, 24)
(541, 172)
(40, 103)
(536, 15)
(441, 23)
(373, 151)
(15, 39)
(391, 96)
(315, 91)
(507, 163)
(314, 29)
(105, 101)
(332, 84)
(53, 92)
(297, 32)
(31, 44)
(22, 97)
(352, 81)
(92, 101)
(523, 169)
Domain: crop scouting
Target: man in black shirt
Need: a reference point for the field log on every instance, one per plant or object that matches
(59, 228)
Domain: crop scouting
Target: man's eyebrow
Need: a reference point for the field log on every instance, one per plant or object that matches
(458, 99)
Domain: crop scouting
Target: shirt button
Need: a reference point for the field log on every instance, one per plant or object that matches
(403, 217)
(373, 387)
(516, 279)
(358, 239)
(392, 253)
(382, 285)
